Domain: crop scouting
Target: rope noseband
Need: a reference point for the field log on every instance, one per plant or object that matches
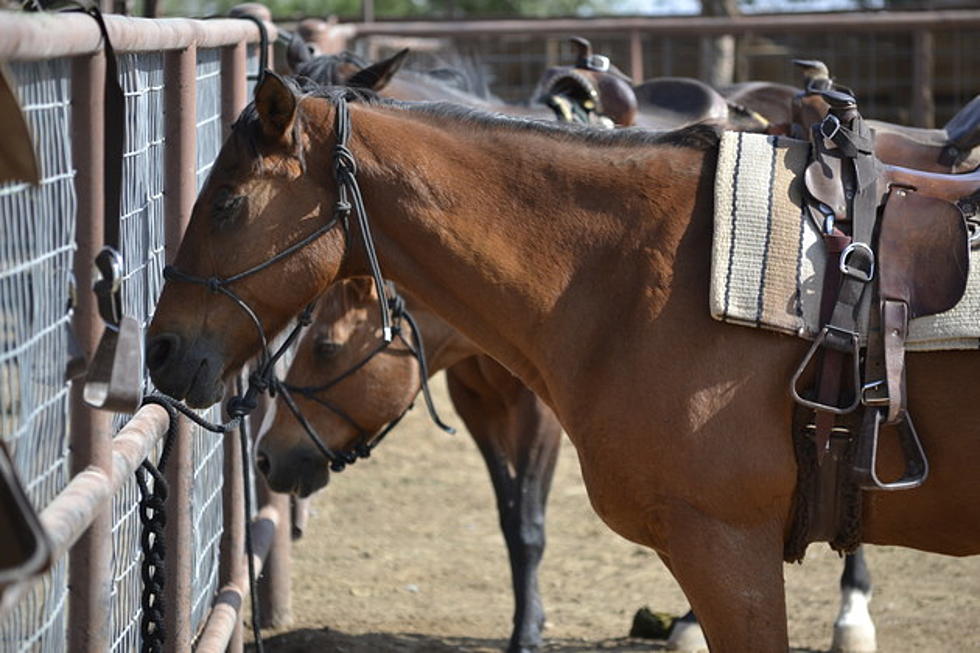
(366, 442)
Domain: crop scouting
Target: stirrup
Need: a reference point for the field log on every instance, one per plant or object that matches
(866, 459)
(853, 350)
(115, 375)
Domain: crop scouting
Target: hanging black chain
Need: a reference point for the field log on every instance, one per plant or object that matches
(153, 520)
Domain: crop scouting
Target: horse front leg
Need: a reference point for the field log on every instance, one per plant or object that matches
(733, 578)
(854, 631)
(519, 440)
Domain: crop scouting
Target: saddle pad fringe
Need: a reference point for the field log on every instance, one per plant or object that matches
(767, 261)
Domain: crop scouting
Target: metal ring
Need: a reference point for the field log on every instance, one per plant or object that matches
(830, 118)
(857, 273)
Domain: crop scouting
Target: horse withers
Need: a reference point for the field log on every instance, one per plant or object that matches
(580, 260)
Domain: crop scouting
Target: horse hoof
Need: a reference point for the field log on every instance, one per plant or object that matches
(854, 632)
(687, 636)
(854, 638)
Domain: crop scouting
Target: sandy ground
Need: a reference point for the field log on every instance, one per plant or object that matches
(403, 553)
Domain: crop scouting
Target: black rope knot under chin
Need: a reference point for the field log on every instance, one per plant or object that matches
(213, 284)
(240, 406)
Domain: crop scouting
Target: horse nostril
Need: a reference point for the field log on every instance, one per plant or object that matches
(160, 348)
(262, 462)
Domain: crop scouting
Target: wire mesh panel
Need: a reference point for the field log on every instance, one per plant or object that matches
(207, 449)
(141, 226)
(252, 67)
(37, 234)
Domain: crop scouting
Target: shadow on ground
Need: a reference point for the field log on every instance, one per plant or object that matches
(325, 640)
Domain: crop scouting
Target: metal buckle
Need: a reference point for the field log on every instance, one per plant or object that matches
(973, 228)
(831, 118)
(847, 269)
(868, 388)
(599, 63)
(853, 350)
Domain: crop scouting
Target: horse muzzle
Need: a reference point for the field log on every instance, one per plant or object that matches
(188, 372)
(296, 471)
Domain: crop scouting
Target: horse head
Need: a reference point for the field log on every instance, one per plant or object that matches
(264, 239)
(344, 382)
(348, 69)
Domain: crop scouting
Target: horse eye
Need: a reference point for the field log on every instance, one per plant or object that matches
(227, 206)
(326, 348)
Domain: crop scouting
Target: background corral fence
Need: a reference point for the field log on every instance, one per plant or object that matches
(909, 67)
(184, 83)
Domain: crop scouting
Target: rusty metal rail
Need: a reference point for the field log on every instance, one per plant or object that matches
(167, 61)
(889, 21)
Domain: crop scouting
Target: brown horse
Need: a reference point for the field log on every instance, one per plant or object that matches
(515, 432)
(580, 260)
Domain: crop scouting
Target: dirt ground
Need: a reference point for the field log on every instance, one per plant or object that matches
(403, 554)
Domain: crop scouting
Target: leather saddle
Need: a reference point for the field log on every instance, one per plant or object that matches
(898, 247)
(675, 102)
(953, 149)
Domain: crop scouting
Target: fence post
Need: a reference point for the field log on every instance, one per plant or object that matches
(923, 106)
(234, 90)
(90, 561)
(180, 188)
(636, 56)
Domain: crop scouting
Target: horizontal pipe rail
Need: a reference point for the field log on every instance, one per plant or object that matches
(90, 491)
(29, 36)
(907, 21)
(228, 603)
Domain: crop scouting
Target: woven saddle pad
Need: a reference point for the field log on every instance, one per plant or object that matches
(767, 259)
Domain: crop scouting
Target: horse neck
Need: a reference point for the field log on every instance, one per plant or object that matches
(444, 345)
(491, 230)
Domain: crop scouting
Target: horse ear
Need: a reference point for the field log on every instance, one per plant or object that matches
(361, 289)
(376, 76)
(276, 104)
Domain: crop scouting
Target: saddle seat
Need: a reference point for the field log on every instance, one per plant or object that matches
(675, 102)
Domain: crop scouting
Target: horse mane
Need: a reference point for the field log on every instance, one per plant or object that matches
(702, 136)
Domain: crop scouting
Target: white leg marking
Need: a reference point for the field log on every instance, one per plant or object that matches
(854, 632)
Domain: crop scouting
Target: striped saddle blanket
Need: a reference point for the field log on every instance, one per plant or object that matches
(768, 259)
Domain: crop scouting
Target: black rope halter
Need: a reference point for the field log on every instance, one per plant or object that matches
(348, 198)
(366, 441)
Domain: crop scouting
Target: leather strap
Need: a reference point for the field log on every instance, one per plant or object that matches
(894, 323)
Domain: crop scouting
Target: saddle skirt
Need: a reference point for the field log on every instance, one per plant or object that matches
(768, 258)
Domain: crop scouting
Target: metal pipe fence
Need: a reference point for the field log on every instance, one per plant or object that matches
(879, 54)
(184, 82)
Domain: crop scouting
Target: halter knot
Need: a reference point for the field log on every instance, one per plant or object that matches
(239, 406)
(397, 305)
(214, 284)
(344, 161)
